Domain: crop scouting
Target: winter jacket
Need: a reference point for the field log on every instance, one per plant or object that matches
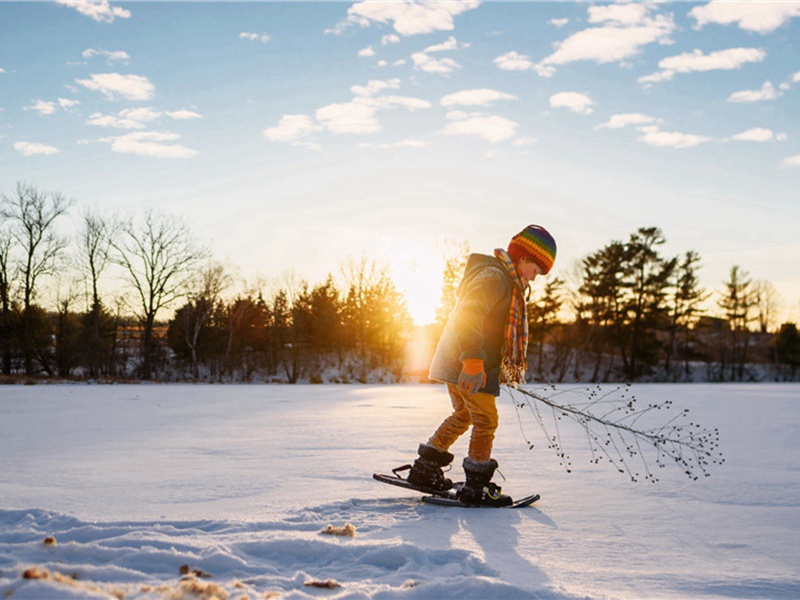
(476, 326)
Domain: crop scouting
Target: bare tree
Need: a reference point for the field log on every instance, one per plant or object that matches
(94, 255)
(31, 213)
(207, 287)
(767, 302)
(158, 255)
(5, 301)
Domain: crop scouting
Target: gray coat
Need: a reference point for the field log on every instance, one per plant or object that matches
(476, 326)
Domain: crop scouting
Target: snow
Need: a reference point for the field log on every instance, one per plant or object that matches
(238, 482)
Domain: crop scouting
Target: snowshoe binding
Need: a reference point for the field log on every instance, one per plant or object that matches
(479, 490)
(427, 471)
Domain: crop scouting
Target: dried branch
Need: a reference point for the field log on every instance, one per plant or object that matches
(621, 431)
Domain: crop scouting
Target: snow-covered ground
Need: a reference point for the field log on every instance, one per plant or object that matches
(132, 482)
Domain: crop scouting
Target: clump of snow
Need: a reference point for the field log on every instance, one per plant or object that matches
(347, 530)
(162, 491)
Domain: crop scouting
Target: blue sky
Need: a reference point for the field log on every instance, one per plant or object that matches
(294, 136)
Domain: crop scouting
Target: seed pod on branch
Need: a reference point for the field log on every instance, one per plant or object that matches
(619, 430)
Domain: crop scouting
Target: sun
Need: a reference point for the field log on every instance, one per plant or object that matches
(417, 273)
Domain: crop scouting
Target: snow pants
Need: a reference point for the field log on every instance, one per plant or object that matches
(478, 410)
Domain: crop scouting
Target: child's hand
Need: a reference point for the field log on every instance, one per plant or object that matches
(472, 377)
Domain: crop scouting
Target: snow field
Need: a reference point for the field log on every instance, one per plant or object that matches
(238, 482)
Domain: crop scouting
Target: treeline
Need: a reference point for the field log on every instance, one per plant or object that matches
(626, 312)
(634, 313)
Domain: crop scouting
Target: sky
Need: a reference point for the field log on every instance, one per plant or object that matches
(296, 136)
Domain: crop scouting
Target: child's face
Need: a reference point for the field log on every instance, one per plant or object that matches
(528, 269)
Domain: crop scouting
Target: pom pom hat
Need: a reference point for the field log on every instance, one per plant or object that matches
(536, 243)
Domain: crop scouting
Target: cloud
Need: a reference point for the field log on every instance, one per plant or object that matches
(622, 32)
(136, 118)
(653, 136)
(696, 61)
(358, 116)
(42, 107)
(623, 120)
(756, 134)
(428, 64)
(390, 38)
(400, 144)
(366, 52)
(514, 61)
(450, 44)
(767, 92)
(49, 108)
(129, 118)
(33, 149)
(183, 114)
(114, 85)
(558, 23)
(524, 141)
(760, 17)
(573, 101)
(98, 10)
(2, 70)
(374, 86)
(255, 37)
(110, 55)
(150, 144)
(792, 161)
(291, 128)
(491, 128)
(478, 97)
(407, 17)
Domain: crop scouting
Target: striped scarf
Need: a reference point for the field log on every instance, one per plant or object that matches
(514, 361)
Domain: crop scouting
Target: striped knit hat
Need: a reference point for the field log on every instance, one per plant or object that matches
(537, 244)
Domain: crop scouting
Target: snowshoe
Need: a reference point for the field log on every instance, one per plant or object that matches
(479, 490)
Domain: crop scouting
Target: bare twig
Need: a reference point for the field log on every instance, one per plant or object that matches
(621, 431)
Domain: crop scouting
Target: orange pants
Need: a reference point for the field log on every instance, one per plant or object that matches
(478, 410)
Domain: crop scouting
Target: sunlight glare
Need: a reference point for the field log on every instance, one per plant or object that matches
(417, 272)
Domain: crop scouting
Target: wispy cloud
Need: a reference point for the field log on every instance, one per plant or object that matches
(367, 52)
(358, 116)
(183, 114)
(429, 64)
(622, 31)
(51, 107)
(758, 134)
(514, 61)
(760, 17)
(291, 128)
(477, 97)
(138, 118)
(423, 61)
(99, 10)
(255, 37)
(114, 85)
(619, 121)
(150, 144)
(697, 61)
(767, 92)
(110, 55)
(34, 149)
(573, 101)
(407, 17)
(492, 128)
(392, 145)
(559, 23)
(653, 136)
(792, 161)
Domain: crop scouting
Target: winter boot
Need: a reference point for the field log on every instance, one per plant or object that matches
(479, 489)
(427, 469)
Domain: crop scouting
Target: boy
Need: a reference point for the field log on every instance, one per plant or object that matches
(484, 344)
